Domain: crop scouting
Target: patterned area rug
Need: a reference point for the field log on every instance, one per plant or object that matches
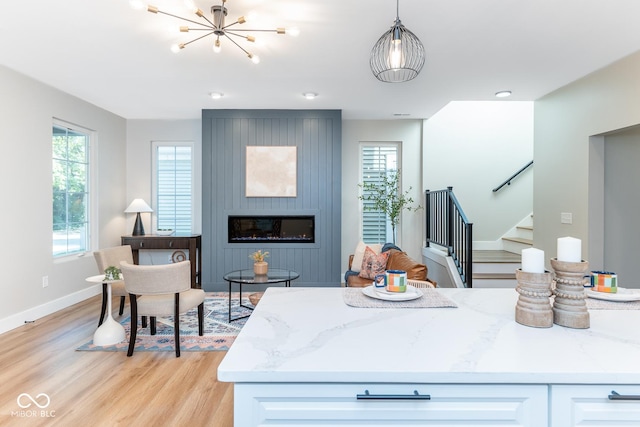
(219, 334)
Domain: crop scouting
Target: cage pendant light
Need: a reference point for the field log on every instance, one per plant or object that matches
(398, 56)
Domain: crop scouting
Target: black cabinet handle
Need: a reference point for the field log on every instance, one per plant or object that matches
(617, 396)
(414, 396)
(141, 244)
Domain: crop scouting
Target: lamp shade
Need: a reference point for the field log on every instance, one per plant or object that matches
(138, 205)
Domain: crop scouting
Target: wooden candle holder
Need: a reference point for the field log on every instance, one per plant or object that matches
(533, 307)
(569, 305)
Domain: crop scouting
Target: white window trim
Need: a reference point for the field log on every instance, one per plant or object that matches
(92, 240)
(154, 174)
(398, 146)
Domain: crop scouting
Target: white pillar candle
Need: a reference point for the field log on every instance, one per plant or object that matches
(533, 260)
(569, 249)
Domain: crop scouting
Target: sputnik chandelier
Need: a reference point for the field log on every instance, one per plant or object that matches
(214, 26)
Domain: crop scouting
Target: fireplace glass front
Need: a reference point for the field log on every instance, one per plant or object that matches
(271, 229)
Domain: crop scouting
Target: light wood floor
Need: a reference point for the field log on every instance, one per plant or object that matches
(97, 388)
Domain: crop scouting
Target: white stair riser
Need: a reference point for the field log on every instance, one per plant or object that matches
(514, 247)
(497, 267)
(524, 233)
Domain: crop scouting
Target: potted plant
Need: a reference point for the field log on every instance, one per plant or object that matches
(260, 266)
(387, 198)
(112, 273)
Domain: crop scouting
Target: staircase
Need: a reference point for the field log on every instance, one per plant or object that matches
(496, 268)
(519, 237)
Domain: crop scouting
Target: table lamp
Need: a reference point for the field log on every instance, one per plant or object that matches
(137, 206)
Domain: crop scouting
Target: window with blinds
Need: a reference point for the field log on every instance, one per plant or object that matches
(174, 186)
(377, 161)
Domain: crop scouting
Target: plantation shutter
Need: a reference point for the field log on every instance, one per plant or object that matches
(376, 162)
(174, 188)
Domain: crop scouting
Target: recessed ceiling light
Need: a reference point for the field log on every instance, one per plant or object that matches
(503, 94)
(401, 114)
(216, 95)
(310, 95)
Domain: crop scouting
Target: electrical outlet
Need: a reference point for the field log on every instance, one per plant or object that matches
(566, 218)
(45, 281)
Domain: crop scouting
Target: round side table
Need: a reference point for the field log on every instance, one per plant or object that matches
(110, 332)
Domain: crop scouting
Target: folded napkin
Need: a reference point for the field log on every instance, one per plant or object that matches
(431, 298)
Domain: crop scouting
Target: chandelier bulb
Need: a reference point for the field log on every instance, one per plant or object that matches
(136, 4)
(254, 58)
(190, 4)
(395, 54)
(175, 48)
(293, 32)
(216, 46)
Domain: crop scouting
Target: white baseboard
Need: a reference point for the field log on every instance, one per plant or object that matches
(35, 313)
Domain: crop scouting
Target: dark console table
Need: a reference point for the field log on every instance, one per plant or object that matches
(192, 242)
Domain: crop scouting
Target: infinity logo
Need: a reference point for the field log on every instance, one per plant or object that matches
(24, 396)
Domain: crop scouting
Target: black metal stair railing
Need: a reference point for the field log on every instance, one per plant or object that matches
(448, 226)
(512, 177)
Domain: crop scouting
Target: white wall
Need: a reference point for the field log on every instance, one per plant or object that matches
(140, 135)
(622, 204)
(409, 133)
(475, 146)
(567, 149)
(27, 109)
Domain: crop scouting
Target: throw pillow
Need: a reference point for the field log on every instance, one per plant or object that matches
(358, 255)
(373, 264)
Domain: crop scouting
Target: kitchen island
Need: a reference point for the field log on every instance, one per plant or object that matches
(305, 357)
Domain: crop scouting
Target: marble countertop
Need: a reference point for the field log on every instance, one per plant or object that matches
(311, 335)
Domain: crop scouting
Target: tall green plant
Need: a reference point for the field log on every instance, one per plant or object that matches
(386, 197)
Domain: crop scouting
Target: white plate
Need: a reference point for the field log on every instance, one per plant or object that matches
(411, 293)
(622, 295)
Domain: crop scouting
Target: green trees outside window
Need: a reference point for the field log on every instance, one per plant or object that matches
(70, 190)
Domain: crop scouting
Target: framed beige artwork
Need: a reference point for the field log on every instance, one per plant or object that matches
(271, 171)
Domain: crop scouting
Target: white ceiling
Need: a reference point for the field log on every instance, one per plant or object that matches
(117, 58)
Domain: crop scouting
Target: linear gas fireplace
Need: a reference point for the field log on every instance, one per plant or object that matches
(272, 229)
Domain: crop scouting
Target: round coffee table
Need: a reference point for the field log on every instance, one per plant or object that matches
(248, 277)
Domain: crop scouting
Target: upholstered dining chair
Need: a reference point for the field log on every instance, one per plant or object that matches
(161, 290)
(112, 257)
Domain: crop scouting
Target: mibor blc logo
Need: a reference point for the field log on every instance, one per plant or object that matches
(33, 406)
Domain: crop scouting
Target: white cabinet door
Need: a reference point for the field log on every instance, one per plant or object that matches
(590, 405)
(392, 405)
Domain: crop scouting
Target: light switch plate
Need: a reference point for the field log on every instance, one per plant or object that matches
(566, 218)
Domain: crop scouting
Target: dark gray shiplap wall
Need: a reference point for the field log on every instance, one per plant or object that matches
(317, 134)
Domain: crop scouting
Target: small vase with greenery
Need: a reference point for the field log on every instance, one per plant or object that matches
(387, 198)
(260, 266)
(112, 273)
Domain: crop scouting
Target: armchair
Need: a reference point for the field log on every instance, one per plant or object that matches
(159, 290)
